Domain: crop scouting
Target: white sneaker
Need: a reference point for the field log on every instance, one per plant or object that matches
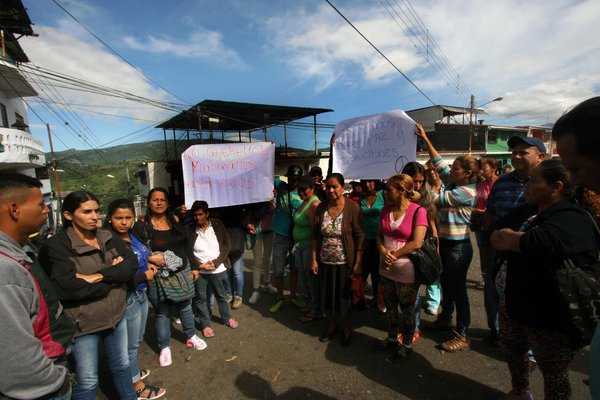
(164, 359)
(254, 298)
(178, 321)
(269, 289)
(196, 343)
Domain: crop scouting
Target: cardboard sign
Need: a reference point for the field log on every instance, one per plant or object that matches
(375, 146)
(228, 174)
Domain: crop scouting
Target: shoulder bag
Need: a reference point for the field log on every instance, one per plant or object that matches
(427, 261)
(580, 289)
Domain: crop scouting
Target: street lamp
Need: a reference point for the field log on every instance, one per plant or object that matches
(473, 109)
(491, 101)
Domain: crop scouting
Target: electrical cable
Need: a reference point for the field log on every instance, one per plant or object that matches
(381, 53)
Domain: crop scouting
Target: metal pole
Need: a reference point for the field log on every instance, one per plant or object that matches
(315, 129)
(55, 169)
(166, 148)
(285, 138)
(471, 123)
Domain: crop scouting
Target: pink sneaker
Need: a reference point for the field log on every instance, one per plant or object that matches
(164, 359)
(196, 343)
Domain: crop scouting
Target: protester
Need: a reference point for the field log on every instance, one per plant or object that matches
(90, 269)
(303, 223)
(35, 331)
(402, 230)
(317, 174)
(371, 204)
(357, 191)
(287, 202)
(232, 218)
(119, 218)
(507, 193)
(258, 225)
(487, 178)
(534, 315)
(209, 244)
(337, 248)
(434, 291)
(578, 143)
(161, 230)
(455, 204)
(209, 241)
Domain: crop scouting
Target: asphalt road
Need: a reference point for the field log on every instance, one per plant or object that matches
(275, 356)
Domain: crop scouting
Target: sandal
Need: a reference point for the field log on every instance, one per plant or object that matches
(308, 318)
(208, 332)
(150, 393)
(232, 323)
(459, 342)
(144, 374)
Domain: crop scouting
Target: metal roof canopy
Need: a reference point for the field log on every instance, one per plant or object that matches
(14, 20)
(233, 116)
(452, 110)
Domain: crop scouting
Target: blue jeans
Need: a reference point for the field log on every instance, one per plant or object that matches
(216, 282)
(456, 257)
(236, 277)
(136, 317)
(282, 246)
(434, 295)
(162, 318)
(491, 298)
(302, 257)
(85, 361)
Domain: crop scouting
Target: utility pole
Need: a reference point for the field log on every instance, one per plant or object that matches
(471, 108)
(55, 169)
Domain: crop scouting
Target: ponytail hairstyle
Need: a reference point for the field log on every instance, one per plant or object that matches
(406, 184)
(554, 171)
(114, 206)
(427, 200)
(72, 203)
(471, 164)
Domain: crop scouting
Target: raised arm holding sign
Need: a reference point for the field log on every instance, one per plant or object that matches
(375, 146)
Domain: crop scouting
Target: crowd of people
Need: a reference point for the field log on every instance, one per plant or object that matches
(89, 284)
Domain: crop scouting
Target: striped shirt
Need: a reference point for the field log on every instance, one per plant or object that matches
(455, 204)
(507, 193)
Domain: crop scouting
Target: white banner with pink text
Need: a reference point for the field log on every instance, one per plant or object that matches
(228, 174)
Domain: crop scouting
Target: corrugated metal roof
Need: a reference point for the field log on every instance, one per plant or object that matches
(234, 116)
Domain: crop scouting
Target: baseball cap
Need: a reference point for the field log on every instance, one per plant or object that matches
(316, 171)
(530, 141)
(294, 171)
(305, 182)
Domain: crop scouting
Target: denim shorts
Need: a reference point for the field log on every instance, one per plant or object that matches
(282, 248)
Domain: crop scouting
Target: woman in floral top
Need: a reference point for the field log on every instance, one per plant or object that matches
(337, 248)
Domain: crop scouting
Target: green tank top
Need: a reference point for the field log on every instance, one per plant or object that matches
(302, 228)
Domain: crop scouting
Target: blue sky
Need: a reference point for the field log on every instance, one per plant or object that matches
(539, 57)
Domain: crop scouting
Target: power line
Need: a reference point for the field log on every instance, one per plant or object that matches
(115, 52)
(380, 52)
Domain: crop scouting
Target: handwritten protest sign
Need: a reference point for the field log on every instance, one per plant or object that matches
(228, 174)
(375, 146)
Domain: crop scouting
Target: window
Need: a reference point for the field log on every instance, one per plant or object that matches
(19, 120)
(4, 115)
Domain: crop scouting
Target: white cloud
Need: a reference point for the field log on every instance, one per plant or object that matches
(64, 51)
(538, 55)
(202, 44)
(322, 47)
